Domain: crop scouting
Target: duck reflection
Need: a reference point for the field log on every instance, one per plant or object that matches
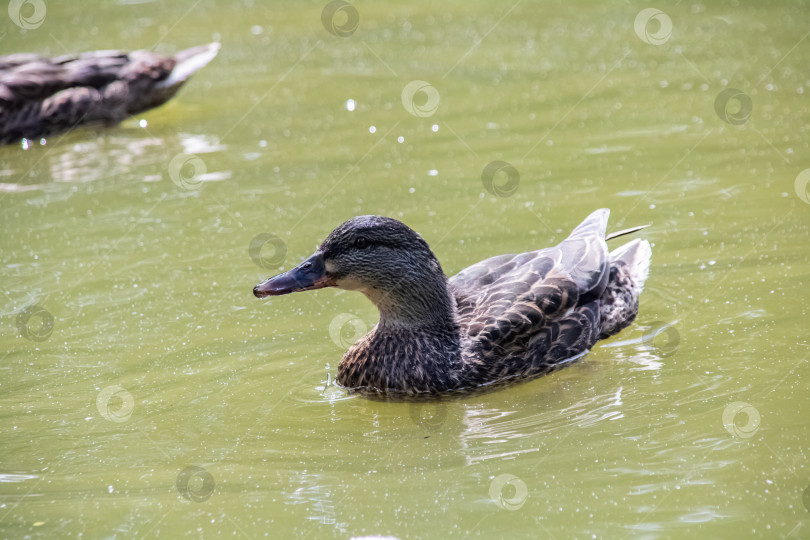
(124, 152)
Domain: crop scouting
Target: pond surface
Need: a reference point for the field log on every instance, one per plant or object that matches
(167, 401)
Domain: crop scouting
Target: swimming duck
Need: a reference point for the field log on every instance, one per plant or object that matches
(42, 96)
(509, 317)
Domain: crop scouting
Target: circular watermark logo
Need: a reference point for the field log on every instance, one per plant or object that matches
(186, 171)
(733, 106)
(346, 328)
(195, 483)
(430, 415)
(663, 338)
(508, 491)
(27, 14)
(340, 18)
(801, 186)
(27, 326)
(653, 26)
(267, 251)
(500, 179)
(731, 416)
(115, 404)
(420, 98)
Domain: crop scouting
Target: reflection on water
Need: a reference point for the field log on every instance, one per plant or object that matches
(490, 433)
(309, 490)
(106, 156)
(649, 345)
(15, 478)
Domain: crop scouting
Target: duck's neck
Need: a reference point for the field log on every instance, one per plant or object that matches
(417, 303)
(416, 346)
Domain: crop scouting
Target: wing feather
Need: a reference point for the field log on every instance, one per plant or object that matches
(505, 301)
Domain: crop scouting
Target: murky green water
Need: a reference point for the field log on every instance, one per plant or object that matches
(168, 402)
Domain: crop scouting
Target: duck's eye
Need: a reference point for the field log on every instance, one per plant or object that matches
(360, 242)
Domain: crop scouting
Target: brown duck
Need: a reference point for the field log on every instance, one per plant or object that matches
(42, 96)
(506, 318)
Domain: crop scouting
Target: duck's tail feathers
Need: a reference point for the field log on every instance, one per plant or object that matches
(631, 230)
(188, 62)
(636, 256)
(629, 268)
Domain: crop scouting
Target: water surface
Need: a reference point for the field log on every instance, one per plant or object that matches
(168, 402)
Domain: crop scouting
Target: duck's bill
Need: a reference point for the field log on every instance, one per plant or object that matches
(307, 276)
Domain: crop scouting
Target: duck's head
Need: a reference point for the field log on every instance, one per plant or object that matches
(378, 256)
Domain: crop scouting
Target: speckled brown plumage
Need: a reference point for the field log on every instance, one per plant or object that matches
(507, 318)
(42, 96)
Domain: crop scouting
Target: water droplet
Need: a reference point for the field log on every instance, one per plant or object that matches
(350, 105)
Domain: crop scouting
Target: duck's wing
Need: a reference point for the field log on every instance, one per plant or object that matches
(29, 78)
(507, 299)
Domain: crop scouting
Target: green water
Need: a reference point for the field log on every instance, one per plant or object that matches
(692, 421)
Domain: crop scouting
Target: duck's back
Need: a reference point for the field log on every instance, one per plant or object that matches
(526, 313)
(30, 77)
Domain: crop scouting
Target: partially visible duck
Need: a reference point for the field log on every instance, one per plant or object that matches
(506, 318)
(42, 96)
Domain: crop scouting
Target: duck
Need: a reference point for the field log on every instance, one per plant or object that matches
(508, 318)
(41, 96)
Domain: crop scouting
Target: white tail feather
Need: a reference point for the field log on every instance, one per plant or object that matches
(188, 66)
(636, 255)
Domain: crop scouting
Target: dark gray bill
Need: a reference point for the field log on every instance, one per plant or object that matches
(307, 276)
